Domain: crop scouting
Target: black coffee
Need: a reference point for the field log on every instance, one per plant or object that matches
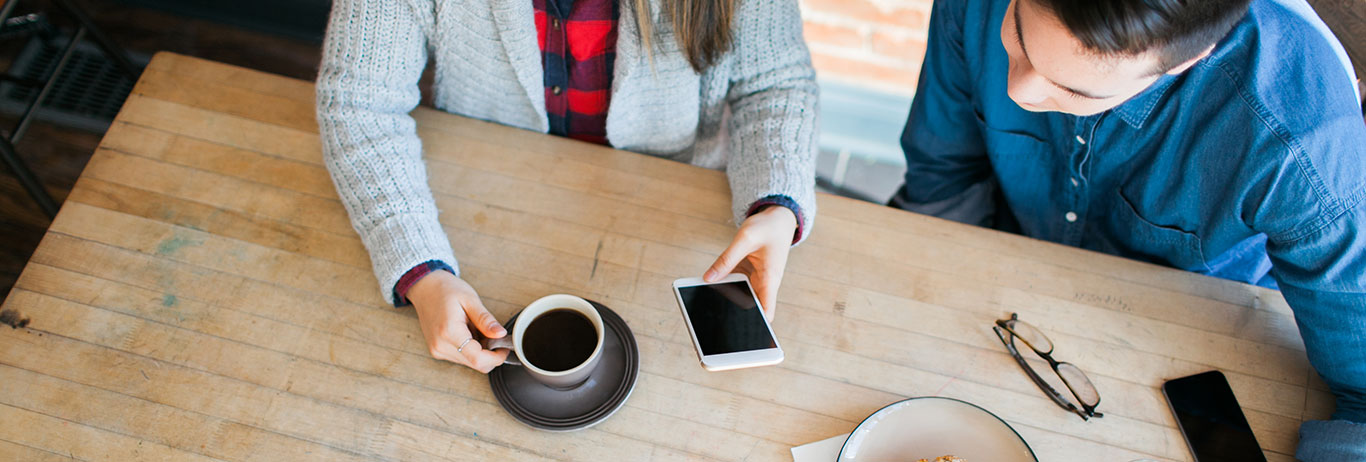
(559, 340)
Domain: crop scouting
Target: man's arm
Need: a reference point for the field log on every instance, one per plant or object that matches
(1323, 277)
(948, 174)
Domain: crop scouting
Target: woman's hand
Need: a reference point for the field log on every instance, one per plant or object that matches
(446, 308)
(760, 252)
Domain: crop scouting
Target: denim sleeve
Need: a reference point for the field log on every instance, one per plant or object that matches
(1323, 278)
(1331, 440)
(948, 173)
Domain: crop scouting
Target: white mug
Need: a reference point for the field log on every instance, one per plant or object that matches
(568, 378)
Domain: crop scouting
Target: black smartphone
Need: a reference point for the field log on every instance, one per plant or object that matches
(1211, 420)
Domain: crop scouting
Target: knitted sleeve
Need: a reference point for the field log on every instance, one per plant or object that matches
(773, 100)
(373, 56)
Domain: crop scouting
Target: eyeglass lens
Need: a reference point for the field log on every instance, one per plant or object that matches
(1077, 381)
(1031, 336)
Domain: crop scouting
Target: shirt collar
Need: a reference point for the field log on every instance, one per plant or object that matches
(1136, 110)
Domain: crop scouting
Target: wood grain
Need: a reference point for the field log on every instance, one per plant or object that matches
(201, 295)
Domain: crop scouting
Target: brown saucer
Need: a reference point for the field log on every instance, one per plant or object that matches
(546, 408)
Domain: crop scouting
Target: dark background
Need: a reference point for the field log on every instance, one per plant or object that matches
(276, 36)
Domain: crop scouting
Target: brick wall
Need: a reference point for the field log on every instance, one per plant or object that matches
(877, 44)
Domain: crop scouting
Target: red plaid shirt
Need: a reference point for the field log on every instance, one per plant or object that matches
(578, 41)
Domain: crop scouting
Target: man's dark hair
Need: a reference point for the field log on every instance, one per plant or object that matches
(1177, 30)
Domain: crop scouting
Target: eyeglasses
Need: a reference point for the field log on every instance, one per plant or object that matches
(1076, 381)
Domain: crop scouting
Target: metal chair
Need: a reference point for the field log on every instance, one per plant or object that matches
(36, 24)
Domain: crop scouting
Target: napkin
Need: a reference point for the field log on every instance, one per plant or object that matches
(825, 450)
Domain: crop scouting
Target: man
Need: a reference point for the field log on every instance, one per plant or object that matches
(1218, 136)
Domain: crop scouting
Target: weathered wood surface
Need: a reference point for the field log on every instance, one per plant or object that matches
(202, 296)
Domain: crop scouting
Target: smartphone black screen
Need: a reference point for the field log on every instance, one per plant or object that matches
(726, 318)
(1211, 419)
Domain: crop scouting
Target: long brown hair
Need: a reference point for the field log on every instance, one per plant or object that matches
(702, 28)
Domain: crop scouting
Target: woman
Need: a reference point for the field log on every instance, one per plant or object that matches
(650, 76)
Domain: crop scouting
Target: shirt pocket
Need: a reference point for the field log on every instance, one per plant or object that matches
(1144, 239)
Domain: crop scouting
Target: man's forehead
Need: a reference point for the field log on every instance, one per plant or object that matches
(1052, 49)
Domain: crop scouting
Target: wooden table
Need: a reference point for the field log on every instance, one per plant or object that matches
(202, 296)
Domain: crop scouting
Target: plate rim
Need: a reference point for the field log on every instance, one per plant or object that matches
(845, 444)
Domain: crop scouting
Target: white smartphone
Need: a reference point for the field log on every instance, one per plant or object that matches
(728, 326)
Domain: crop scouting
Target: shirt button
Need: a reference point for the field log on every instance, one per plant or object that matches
(1075, 183)
(555, 23)
(1081, 140)
(1071, 217)
(556, 89)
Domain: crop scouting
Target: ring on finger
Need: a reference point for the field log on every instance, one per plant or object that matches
(462, 345)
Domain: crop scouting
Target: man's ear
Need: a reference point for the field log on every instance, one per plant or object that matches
(1187, 65)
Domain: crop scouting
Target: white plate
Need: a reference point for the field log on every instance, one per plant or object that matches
(929, 427)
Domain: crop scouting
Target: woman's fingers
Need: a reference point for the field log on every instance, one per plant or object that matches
(474, 354)
(759, 250)
(482, 360)
(447, 344)
(766, 287)
(457, 345)
(480, 317)
(768, 276)
(725, 264)
(767, 273)
(449, 311)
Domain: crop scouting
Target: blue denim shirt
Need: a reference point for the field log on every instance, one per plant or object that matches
(1249, 166)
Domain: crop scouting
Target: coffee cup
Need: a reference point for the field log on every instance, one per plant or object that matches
(558, 340)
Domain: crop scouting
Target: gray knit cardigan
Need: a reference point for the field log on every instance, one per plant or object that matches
(488, 66)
